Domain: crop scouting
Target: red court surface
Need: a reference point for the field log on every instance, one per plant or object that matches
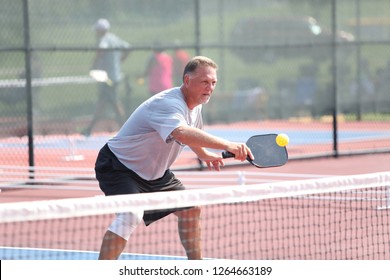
(345, 165)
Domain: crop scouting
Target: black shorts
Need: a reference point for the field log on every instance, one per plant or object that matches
(116, 179)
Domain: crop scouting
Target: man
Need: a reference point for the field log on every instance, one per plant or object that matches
(138, 158)
(109, 61)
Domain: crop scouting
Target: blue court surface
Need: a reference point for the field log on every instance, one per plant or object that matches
(302, 137)
(8, 253)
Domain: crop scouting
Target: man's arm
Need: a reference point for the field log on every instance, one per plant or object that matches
(211, 159)
(124, 55)
(197, 138)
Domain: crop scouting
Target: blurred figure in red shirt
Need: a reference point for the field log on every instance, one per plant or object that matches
(180, 59)
(159, 71)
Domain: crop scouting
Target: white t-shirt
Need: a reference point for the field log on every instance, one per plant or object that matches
(144, 144)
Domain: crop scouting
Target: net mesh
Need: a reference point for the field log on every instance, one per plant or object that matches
(343, 217)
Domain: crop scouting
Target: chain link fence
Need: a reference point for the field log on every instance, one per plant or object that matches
(303, 61)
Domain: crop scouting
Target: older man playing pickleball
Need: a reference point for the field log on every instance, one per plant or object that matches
(138, 158)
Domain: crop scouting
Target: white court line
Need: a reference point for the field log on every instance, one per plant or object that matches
(13, 177)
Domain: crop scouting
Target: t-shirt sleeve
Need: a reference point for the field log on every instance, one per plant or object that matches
(165, 119)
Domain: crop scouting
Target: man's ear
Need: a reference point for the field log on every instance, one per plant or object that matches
(186, 79)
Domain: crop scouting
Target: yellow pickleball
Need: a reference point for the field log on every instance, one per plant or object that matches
(282, 139)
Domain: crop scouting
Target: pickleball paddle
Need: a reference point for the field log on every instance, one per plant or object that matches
(266, 151)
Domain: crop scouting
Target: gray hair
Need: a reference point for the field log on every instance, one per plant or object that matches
(197, 61)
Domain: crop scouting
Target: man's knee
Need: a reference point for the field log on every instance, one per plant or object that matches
(125, 223)
(193, 213)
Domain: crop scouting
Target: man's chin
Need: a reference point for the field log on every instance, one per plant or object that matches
(205, 100)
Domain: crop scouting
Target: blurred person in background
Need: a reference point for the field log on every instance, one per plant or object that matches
(158, 70)
(109, 61)
(180, 59)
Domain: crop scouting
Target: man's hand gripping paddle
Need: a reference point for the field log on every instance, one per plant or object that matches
(265, 149)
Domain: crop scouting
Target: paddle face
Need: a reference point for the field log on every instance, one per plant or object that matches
(265, 150)
(100, 76)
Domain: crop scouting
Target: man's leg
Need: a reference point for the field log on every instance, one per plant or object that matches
(116, 105)
(112, 246)
(120, 230)
(97, 115)
(190, 232)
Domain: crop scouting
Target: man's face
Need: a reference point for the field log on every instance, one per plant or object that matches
(200, 85)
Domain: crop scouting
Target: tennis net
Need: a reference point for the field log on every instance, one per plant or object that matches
(343, 217)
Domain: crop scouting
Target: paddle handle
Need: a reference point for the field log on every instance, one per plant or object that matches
(227, 154)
